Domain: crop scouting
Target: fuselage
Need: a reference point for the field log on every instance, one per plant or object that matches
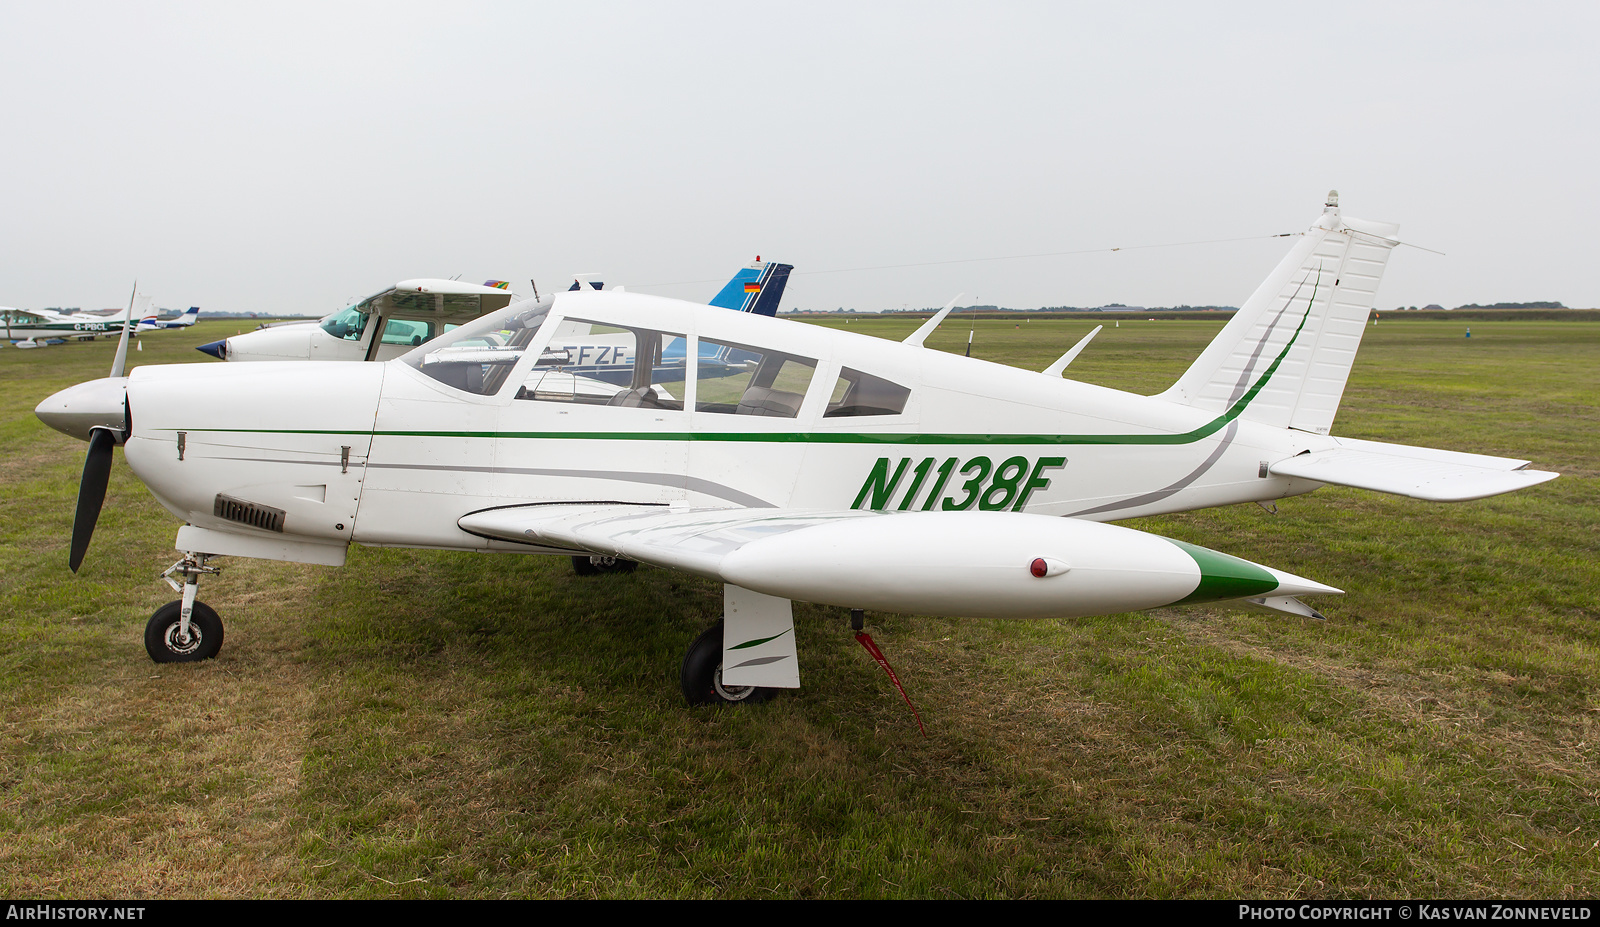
(33, 324)
(391, 454)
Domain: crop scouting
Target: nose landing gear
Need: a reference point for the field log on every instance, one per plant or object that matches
(184, 631)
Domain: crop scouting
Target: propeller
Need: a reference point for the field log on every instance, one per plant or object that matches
(102, 407)
(91, 492)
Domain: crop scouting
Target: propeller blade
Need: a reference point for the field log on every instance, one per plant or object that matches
(122, 354)
(91, 493)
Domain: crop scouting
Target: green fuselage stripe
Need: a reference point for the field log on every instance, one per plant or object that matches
(827, 437)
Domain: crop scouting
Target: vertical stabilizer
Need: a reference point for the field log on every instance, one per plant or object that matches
(757, 288)
(1287, 352)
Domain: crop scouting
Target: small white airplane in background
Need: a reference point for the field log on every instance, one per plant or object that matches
(834, 468)
(383, 326)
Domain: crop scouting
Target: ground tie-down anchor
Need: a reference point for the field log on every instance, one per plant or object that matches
(857, 622)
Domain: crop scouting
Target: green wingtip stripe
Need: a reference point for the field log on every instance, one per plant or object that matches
(758, 642)
(1224, 577)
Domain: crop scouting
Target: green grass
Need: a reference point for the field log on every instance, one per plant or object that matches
(423, 724)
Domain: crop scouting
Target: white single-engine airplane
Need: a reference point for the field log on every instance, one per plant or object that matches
(836, 468)
(383, 326)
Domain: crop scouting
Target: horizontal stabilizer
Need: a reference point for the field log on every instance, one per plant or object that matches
(1418, 472)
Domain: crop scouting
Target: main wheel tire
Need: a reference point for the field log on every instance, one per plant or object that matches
(595, 565)
(701, 676)
(162, 640)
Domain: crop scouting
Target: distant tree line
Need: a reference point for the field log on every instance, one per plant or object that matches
(1543, 305)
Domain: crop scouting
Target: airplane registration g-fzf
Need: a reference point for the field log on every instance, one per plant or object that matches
(832, 468)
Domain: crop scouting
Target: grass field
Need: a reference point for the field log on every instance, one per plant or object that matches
(422, 724)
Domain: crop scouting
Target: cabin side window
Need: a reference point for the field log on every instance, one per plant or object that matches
(737, 379)
(406, 331)
(591, 363)
(858, 393)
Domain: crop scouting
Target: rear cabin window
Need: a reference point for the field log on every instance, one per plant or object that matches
(857, 393)
(737, 379)
(405, 331)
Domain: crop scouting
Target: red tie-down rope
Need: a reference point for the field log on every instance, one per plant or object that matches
(866, 641)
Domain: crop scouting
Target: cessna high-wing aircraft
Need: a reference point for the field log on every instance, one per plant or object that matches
(28, 327)
(837, 468)
(382, 326)
(33, 327)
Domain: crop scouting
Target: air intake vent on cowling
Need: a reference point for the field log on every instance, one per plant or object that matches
(248, 513)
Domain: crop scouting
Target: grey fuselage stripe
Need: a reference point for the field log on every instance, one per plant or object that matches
(695, 484)
(704, 487)
(1255, 356)
(1173, 489)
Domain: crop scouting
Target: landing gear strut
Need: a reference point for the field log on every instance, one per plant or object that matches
(186, 630)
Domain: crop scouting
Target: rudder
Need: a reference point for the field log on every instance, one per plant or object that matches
(1287, 353)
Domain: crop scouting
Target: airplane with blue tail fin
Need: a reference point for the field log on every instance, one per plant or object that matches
(151, 323)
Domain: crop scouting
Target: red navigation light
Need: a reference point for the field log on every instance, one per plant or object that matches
(1039, 568)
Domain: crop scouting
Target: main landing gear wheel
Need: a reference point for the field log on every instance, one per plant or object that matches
(701, 676)
(164, 639)
(596, 565)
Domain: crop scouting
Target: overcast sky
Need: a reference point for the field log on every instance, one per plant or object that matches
(290, 157)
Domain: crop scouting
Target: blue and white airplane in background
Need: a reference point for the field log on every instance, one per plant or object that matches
(756, 289)
(393, 321)
(151, 323)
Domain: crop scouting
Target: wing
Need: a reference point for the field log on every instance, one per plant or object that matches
(958, 564)
(1418, 472)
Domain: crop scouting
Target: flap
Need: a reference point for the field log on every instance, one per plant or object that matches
(693, 540)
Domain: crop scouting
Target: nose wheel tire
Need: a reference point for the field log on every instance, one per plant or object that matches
(597, 565)
(701, 677)
(165, 642)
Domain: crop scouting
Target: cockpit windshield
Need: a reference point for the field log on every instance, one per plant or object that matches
(349, 323)
(478, 356)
